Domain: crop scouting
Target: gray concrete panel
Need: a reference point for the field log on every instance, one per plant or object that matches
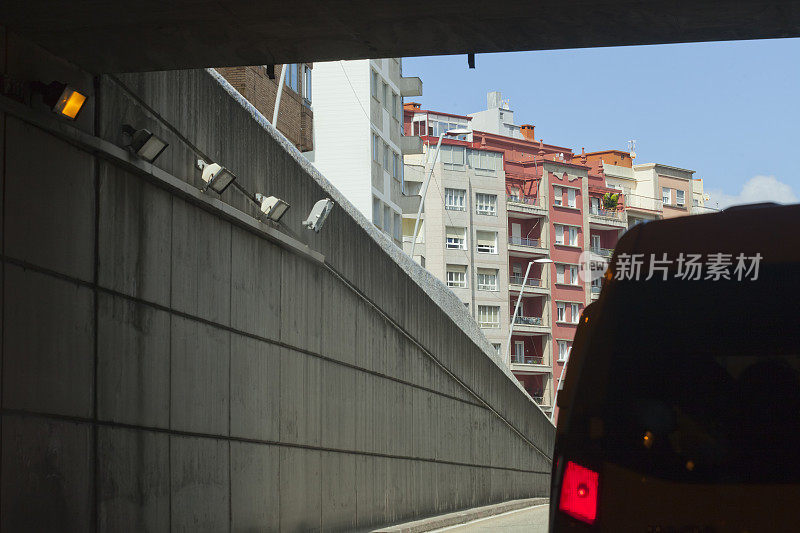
(135, 239)
(338, 406)
(47, 475)
(255, 389)
(255, 503)
(200, 486)
(48, 345)
(338, 491)
(49, 202)
(133, 492)
(299, 489)
(133, 362)
(301, 304)
(255, 285)
(199, 377)
(300, 398)
(201, 263)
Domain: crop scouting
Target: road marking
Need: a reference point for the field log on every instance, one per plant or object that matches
(448, 528)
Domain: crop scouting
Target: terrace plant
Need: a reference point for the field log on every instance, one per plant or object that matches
(610, 201)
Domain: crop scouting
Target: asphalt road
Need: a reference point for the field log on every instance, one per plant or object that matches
(528, 520)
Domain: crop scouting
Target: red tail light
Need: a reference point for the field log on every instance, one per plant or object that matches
(579, 493)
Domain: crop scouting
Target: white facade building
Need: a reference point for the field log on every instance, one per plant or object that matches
(358, 140)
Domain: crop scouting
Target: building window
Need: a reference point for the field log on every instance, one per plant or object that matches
(376, 150)
(487, 279)
(573, 275)
(564, 347)
(457, 276)
(575, 313)
(573, 236)
(486, 204)
(559, 234)
(396, 106)
(387, 219)
(558, 196)
(373, 85)
(398, 227)
(454, 199)
(559, 273)
(680, 197)
(376, 212)
(455, 238)
(486, 241)
(571, 197)
(386, 102)
(489, 316)
(695, 202)
(486, 163)
(386, 166)
(307, 83)
(560, 311)
(666, 195)
(395, 165)
(292, 79)
(452, 157)
(496, 347)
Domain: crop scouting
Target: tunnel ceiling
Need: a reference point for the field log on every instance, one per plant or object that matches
(114, 36)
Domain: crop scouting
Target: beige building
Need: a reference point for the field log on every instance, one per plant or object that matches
(463, 236)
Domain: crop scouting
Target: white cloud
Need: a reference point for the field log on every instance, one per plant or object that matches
(756, 189)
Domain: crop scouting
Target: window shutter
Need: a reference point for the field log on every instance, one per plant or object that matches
(559, 234)
(485, 238)
(455, 233)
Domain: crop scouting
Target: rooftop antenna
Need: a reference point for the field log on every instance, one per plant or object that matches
(632, 148)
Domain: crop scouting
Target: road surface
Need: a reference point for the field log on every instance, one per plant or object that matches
(528, 520)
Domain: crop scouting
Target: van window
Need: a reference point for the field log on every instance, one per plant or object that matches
(698, 380)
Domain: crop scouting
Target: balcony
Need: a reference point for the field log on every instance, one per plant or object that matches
(525, 207)
(595, 292)
(519, 359)
(531, 325)
(603, 252)
(635, 202)
(409, 203)
(410, 86)
(703, 210)
(532, 285)
(524, 246)
(410, 144)
(604, 219)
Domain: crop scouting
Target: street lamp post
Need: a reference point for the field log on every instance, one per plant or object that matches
(427, 181)
(516, 307)
(555, 396)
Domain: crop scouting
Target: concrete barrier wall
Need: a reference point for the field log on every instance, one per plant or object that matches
(168, 362)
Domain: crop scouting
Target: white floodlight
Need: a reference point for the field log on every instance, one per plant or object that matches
(145, 143)
(274, 208)
(318, 214)
(217, 177)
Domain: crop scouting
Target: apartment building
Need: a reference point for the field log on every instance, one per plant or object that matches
(461, 234)
(358, 135)
(295, 116)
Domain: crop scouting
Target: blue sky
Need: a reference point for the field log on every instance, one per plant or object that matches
(730, 111)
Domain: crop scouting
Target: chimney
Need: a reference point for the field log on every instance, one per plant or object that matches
(411, 105)
(493, 100)
(527, 131)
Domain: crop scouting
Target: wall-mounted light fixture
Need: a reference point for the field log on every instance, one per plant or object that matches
(144, 143)
(318, 214)
(61, 98)
(272, 207)
(216, 176)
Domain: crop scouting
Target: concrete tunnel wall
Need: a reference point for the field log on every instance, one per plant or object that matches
(168, 364)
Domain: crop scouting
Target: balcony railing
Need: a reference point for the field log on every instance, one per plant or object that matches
(524, 200)
(528, 320)
(523, 241)
(538, 399)
(606, 213)
(519, 359)
(605, 252)
(596, 289)
(517, 279)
